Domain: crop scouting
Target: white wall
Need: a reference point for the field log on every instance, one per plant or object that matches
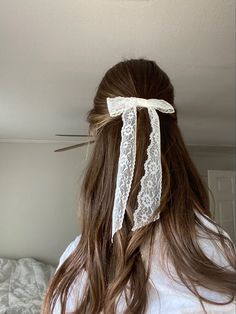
(39, 195)
(38, 199)
(213, 158)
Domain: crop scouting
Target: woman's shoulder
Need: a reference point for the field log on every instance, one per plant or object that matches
(211, 223)
(211, 245)
(69, 250)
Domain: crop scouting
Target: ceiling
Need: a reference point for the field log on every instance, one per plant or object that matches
(53, 55)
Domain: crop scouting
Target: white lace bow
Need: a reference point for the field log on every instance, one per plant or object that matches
(149, 195)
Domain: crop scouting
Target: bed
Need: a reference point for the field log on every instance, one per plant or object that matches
(23, 283)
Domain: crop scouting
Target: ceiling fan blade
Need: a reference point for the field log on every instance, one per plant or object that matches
(73, 146)
(75, 135)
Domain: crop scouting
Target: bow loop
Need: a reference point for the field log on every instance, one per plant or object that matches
(117, 105)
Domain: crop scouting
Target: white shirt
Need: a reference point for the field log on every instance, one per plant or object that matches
(165, 296)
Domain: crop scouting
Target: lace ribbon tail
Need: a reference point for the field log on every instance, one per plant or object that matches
(151, 183)
(126, 165)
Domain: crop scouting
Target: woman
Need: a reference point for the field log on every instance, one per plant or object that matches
(182, 262)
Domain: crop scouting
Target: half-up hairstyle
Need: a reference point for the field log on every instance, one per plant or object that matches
(117, 268)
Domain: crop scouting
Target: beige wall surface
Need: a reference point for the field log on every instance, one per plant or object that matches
(212, 158)
(38, 197)
(39, 192)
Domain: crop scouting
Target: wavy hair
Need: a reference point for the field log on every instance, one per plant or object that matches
(112, 268)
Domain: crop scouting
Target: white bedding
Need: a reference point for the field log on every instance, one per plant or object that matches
(23, 283)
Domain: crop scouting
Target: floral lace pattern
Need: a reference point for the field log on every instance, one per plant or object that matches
(150, 193)
(117, 105)
(125, 167)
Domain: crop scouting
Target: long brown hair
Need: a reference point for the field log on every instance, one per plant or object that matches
(110, 268)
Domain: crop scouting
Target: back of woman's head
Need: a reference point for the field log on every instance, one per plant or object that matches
(118, 268)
